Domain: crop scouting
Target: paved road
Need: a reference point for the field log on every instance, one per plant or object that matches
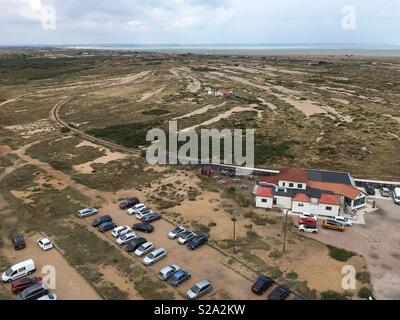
(379, 242)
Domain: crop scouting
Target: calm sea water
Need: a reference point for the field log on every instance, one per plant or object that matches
(306, 49)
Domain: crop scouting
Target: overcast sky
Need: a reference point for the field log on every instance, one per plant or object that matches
(198, 21)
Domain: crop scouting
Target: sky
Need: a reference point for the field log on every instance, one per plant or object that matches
(198, 21)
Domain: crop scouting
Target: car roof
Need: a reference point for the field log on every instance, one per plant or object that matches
(203, 283)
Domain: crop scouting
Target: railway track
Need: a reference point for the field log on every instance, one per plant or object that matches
(55, 117)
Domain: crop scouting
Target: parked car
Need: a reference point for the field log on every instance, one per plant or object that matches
(134, 244)
(107, 226)
(167, 272)
(142, 212)
(144, 249)
(154, 256)
(151, 217)
(200, 289)
(129, 203)
(307, 221)
(179, 277)
(344, 221)
(197, 242)
(135, 208)
(308, 215)
(333, 225)
(101, 220)
(396, 195)
(87, 212)
(19, 270)
(385, 192)
(369, 189)
(125, 238)
(311, 228)
(45, 244)
(23, 283)
(120, 231)
(186, 237)
(50, 296)
(279, 293)
(18, 241)
(262, 284)
(33, 292)
(176, 232)
(143, 227)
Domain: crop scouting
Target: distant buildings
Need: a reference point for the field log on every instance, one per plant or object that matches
(220, 92)
(321, 192)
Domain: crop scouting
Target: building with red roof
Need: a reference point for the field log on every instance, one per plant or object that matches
(317, 191)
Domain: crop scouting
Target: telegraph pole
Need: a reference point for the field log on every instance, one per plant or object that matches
(284, 232)
(234, 219)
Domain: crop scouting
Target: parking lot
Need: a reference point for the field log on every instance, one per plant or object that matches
(203, 263)
(70, 285)
(379, 242)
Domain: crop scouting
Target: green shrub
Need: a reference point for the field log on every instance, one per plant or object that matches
(363, 277)
(333, 295)
(155, 112)
(365, 293)
(340, 254)
(292, 275)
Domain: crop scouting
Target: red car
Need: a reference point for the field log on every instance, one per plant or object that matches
(23, 283)
(307, 221)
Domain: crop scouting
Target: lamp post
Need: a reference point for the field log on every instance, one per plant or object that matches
(234, 219)
(284, 232)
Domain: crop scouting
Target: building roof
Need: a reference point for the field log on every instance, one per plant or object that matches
(269, 179)
(293, 174)
(329, 176)
(301, 197)
(264, 192)
(329, 199)
(345, 190)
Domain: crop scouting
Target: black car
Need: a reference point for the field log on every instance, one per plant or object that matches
(197, 242)
(101, 220)
(370, 190)
(262, 284)
(143, 227)
(129, 203)
(150, 217)
(279, 293)
(134, 244)
(107, 226)
(18, 241)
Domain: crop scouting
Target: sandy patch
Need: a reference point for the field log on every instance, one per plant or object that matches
(392, 117)
(4, 150)
(86, 168)
(344, 101)
(200, 111)
(28, 130)
(148, 95)
(267, 104)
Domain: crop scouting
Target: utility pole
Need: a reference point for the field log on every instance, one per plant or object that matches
(284, 232)
(234, 219)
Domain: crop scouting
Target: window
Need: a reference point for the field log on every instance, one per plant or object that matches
(301, 204)
(328, 208)
(264, 200)
(300, 186)
(291, 185)
(284, 184)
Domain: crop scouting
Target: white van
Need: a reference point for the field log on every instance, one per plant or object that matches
(396, 195)
(19, 270)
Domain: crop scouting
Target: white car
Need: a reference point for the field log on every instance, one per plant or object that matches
(144, 249)
(135, 208)
(344, 221)
(120, 231)
(176, 232)
(186, 236)
(45, 244)
(125, 238)
(168, 271)
(140, 213)
(308, 215)
(311, 228)
(48, 297)
(154, 256)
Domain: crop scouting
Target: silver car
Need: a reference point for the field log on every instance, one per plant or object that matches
(168, 271)
(87, 212)
(154, 256)
(199, 289)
